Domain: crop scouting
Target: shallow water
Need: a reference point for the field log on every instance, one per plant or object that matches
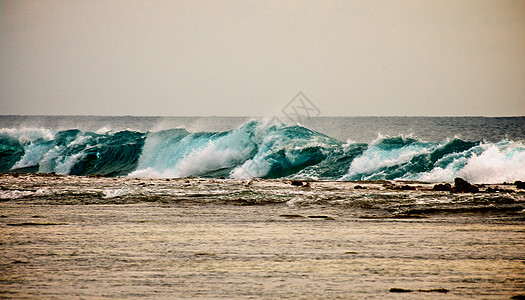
(80, 237)
(223, 251)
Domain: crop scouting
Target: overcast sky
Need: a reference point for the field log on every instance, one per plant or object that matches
(249, 58)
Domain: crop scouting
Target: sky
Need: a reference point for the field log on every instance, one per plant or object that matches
(250, 58)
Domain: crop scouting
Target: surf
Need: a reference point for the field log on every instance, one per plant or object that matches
(257, 149)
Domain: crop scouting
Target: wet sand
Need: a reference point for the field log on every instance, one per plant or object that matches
(208, 250)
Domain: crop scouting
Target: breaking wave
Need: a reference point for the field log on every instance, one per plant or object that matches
(257, 149)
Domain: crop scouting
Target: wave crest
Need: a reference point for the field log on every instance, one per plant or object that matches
(257, 149)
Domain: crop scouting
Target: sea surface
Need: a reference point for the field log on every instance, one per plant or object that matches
(245, 208)
(431, 149)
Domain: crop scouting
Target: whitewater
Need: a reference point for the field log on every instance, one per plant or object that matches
(263, 149)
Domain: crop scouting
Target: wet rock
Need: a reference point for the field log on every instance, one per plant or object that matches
(34, 224)
(388, 186)
(445, 187)
(441, 290)
(399, 290)
(463, 186)
(406, 187)
(297, 183)
(520, 185)
(321, 217)
(204, 254)
(498, 190)
(20, 262)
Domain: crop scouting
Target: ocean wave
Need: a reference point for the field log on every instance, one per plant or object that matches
(257, 149)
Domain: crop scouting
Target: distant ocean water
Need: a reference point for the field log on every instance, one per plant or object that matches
(434, 149)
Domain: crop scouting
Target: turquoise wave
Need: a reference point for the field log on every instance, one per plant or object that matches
(257, 149)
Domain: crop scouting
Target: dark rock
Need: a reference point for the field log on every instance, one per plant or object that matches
(446, 187)
(359, 187)
(406, 188)
(462, 186)
(321, 217)
(297, 183)
(518, 297)
(204, 254)
(34, 224)
(498, 190)
(399, 290)
(520, 185)
(388, 186)
(441, 290)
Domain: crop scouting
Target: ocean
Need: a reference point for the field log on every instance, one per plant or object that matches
(243, 208)
(480, 150)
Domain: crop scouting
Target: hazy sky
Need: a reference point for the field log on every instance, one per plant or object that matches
(249, 58)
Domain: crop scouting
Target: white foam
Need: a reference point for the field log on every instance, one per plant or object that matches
(193, 155)
(257, 167)
(374, 159)
(495, 165)
(485, 163)
(114, 193)
(28, 135)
